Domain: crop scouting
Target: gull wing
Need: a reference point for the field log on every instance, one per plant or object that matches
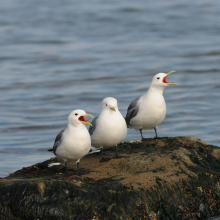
(93, 127)
(132, 111)
(57, 142)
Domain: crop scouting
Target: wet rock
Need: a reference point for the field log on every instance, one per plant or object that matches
(170, 178)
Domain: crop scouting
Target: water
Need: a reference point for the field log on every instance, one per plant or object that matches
(57, 56)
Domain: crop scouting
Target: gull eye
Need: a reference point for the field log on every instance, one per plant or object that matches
(158, 77)
(76, 114)
(106, 105)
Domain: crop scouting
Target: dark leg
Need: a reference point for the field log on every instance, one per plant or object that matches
(102, 153)
(116, 150)
(142, 138)
(155, 129)
(141, 134)
(66, 167)
(103, 159)
(77, 163)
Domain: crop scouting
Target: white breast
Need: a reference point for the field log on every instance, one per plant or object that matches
(151, 112)
(75, 145)
(110, 130)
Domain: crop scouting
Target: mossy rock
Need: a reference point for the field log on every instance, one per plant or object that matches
(170, 178)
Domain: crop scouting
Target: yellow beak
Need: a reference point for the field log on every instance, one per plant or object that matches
(172, 83)
(112, 108)
(86, 122)
(88, 115)
(170, 73)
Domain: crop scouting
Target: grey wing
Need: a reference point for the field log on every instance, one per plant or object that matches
(57, 141)
(93, 127)
(132, 111)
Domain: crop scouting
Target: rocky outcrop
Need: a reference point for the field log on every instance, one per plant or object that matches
(170, 178)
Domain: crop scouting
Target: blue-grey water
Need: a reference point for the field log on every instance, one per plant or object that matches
(57, 56)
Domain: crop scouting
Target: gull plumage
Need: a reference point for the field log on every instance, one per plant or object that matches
(109, 128)
(74, 142)
(149, 110)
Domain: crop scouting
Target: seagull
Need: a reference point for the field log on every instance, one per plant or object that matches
(109, 128)
(149, 110)
(74, 142)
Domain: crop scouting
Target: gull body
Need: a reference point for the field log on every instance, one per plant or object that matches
(74, 142)
(109, 128)
(149, 110)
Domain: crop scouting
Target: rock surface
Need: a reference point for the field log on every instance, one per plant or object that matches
(170, 178)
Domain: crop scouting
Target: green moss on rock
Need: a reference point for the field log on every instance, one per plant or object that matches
(172, 178)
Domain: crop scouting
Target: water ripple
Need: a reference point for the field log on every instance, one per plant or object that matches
(71, 55)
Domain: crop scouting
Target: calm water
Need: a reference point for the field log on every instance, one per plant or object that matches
(57, 56)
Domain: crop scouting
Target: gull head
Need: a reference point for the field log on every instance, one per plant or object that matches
(109, 104)
(160, 80)
(76, 117)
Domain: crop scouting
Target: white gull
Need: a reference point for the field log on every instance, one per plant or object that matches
(109, 128)
(74, 142)
(149, 110)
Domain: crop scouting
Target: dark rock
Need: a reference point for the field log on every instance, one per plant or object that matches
(172, 178)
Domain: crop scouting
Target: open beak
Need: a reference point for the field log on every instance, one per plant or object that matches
(113, 109)
(165, 81)
(84, 121)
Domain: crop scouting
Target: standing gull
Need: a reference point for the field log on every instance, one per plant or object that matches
(109, 128)
(74, 142)
(149, 110)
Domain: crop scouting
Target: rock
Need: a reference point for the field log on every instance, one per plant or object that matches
(170, 178)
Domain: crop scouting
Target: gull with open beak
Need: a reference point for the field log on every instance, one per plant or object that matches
(74, 142)
(109, 128)
(149, 110)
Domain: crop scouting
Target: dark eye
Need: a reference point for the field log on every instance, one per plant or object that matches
(158, 77)
(76, 114)
(106, 105)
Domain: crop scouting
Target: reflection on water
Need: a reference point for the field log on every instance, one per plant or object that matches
(56, 57)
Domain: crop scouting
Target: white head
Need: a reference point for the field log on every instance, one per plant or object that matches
(76, 118)
(159, 80)
(109, 104)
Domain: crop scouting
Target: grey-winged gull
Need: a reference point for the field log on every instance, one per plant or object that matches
(149, 110)
(109, 128)
(74, 142)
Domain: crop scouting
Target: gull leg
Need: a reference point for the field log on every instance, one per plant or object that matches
(155, 129)
(103, 159)
(141, 134)
(65, 163)
(116, 150)
(77, 163)
(142, 138)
